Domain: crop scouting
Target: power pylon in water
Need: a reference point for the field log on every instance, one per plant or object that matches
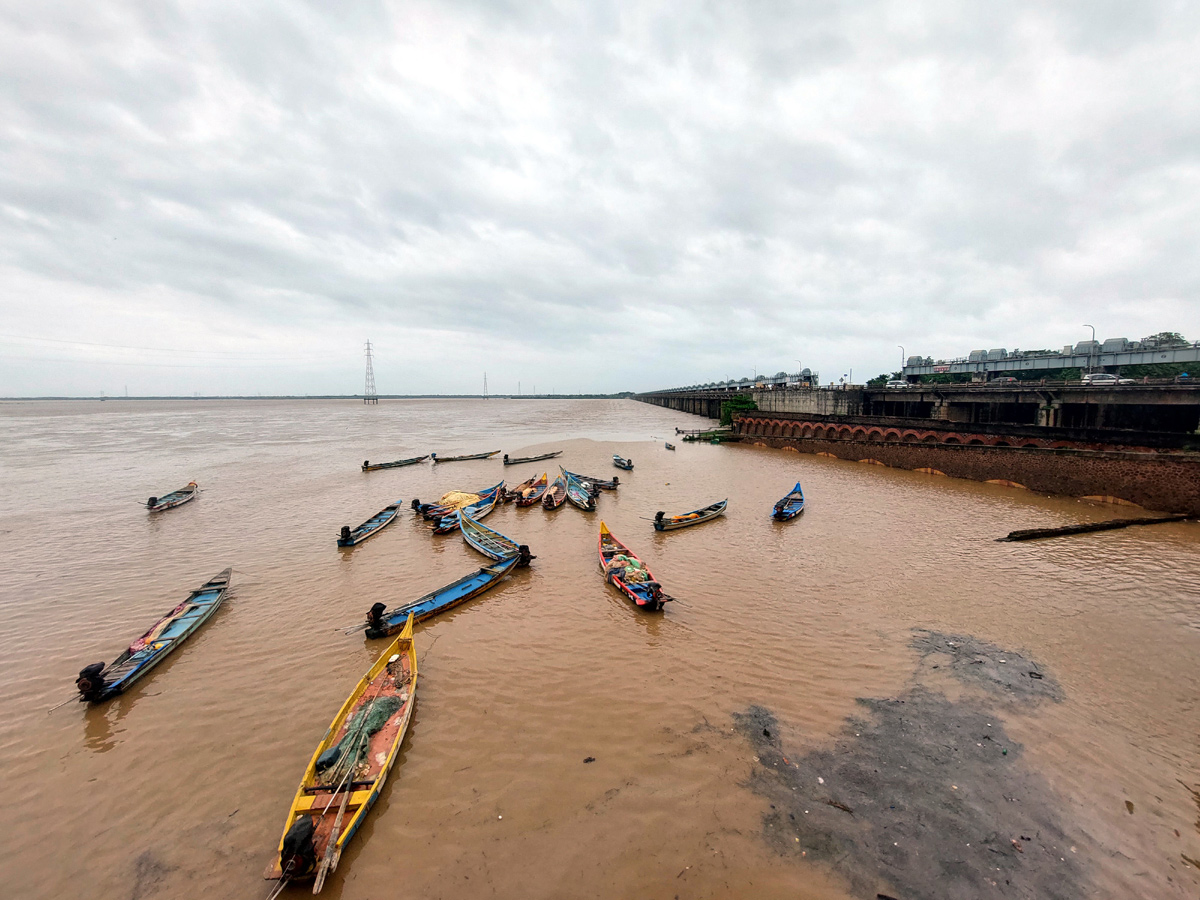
(370, 395)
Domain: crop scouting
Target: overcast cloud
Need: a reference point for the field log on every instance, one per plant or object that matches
(589, 196)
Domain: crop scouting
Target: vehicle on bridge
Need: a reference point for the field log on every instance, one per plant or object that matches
(1104, 378)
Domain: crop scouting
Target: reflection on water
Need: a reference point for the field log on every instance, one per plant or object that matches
(550, 668)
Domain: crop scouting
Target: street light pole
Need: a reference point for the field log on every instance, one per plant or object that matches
(902, 359)
(1092, 346)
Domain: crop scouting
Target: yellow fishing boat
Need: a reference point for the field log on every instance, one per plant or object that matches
(349, 768)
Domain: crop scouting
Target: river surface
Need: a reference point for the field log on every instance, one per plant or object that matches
(179, 787)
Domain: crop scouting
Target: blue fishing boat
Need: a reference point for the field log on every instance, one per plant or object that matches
(790, 506)
(381, 623)
(603, 484)
(480, 508)
(98, 682)
(173, 499)
(492, 543)
(581, 493)
(670, 446)
(621, 462)
(349, 537)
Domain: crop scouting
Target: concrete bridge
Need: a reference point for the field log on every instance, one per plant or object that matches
(1159, 415)
(1126, 443)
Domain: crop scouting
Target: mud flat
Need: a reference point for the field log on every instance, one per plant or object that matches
(924, 795)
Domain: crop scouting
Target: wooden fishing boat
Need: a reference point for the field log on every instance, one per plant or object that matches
(480, 508)
(367, 467)
(173, 499)
(670, 446)
(663, 522)
(529, 459)
(99, 682)
(556, 493)
(603, 483)
(581, 493)
(381, 623)
(349, 537)
(790, 506)
(511, 494)
(444, 459)
(646, 593)
(621, 462)
(492, 543)
(534, 493)
(349, 768)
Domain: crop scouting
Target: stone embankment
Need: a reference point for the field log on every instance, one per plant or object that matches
(1157, 480)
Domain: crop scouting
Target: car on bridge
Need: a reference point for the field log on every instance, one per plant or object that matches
(1104, 378)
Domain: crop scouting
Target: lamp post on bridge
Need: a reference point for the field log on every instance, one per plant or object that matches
(1092, 346)
(902, 359)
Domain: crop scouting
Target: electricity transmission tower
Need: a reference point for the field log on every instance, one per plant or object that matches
(485, 393)
(370, 395)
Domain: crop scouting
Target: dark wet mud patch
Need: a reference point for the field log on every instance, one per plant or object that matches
(920, 797)
(978, 663)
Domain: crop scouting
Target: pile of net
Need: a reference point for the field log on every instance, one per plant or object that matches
(344, 756)
(628, 569)
(458, 499)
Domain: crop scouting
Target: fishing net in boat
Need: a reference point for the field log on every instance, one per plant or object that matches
(458, 499)
(339, 759)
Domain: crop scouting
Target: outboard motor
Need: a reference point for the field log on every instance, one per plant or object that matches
(151, 502)
(616, 480)
(91, 681)
(366, 462)
(658, 517)
(416, 505)
(524, 557)
(375, 617)
(298, 857)
(506, 458)
(345, 537)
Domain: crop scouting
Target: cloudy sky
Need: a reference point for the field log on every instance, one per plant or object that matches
(231, 197)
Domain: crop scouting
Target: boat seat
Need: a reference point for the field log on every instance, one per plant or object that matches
(317, 802)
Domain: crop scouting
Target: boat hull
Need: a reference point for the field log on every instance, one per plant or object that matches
(645, 595)
(529, 459)
(696, 517)
(446, 459)
(160, 641)
(371, 527)
(174, 499)
(443, 599)
(790, 506)
(326, 801)
(367, 467)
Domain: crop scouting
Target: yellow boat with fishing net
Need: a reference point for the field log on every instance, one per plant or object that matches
(349, 768)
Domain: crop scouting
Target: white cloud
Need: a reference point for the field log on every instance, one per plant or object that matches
(590, 196)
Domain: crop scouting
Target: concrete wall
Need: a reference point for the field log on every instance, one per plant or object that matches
(1169, 482)
(822, 402)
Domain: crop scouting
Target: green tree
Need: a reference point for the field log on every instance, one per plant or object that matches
(735, 405)
(1168, 339)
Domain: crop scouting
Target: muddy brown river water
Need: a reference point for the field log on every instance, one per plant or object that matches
(836, 707)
